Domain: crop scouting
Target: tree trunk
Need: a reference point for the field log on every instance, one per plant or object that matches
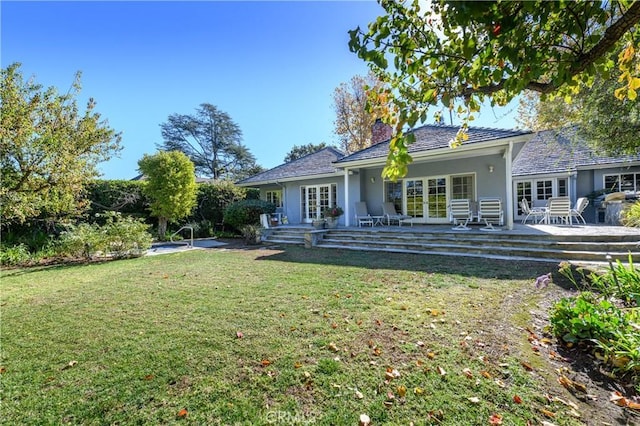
(162, 227)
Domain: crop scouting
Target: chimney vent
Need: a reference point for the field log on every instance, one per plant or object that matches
(380, 132)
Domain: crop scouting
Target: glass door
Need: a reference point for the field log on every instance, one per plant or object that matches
(316, 199)
(414, 194)
(426, 199)
(437, 199)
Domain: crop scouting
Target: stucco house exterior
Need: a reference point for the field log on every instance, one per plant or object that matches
(507, 164)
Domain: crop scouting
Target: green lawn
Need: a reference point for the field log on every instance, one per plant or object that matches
(325, 336)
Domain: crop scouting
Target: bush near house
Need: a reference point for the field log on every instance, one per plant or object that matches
(604, 318)
(247, 212)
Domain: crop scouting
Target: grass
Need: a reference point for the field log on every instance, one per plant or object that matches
(326, 336)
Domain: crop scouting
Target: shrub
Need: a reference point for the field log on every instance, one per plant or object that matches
(14, 255)
(631, 215)
(119, 237)
(251, 233)
(247, 212)
(124, 196)
(211, 202)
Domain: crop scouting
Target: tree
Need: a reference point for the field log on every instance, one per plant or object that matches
(211, 139)
(353, 118)
(598, 117)
(464, 53)
(170, 184)
(48, 149)
(301, 150)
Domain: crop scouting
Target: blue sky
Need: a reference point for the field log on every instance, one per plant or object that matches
(272, 66)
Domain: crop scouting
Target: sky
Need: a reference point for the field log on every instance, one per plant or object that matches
(272, 66)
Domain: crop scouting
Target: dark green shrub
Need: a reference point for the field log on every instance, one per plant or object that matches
(247, 212)
(212, 200)
(252, 194)
(124, 196)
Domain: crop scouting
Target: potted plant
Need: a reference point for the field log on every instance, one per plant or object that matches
(332, 214)
(318, 223)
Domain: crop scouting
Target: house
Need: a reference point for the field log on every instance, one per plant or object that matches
(552, 164)
(481, 167)
(507, 164)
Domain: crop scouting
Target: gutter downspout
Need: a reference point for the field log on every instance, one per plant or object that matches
(509, 176)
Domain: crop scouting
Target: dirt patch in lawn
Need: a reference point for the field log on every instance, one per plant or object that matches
(526, 331)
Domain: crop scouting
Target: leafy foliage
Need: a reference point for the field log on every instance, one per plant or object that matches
(357, 104)
(48, 148)
(170, 184)
(212, 140)
(120, 236)
(598, 117)
(631, 215)
(597, 320)
(246, 212)
(124, 196)
(299, 151)
(465, 53)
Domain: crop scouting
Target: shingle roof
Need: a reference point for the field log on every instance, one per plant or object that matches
(551, 152)
(432, 137)
(317, 163)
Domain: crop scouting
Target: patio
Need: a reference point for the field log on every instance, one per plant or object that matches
(552, 243)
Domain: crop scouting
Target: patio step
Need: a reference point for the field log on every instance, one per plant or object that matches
(475, 243)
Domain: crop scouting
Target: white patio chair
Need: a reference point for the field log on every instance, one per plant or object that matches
(559, 208)
(389, 212)
(538, 213)
(576, 211)
(460, 213)
(490, 210)
(362, 214)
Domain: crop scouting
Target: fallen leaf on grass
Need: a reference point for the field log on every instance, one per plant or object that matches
(332, 346)
(441, 371)
(265, 362)
(418, 391)
(334, 325)
(183, 413)
(485, 374)
(567, 403)
(402, 391)
(359, 394)
(618, 399)
(548, 413)
(467, 372)
(431, 355)
(3, 370)
(517, 399)
(495, 419)
(149, 377)
(239, 334)
(526, 366)
(297, 365)
(571, 385)
(474, 400)
(70, 365)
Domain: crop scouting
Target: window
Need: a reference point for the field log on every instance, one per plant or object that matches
(544, 189)
(393, 193)
(627, 182)
(274, 197)
(563, 188)
(462, 187)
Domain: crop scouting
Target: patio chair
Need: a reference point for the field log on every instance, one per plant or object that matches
(460, 213)
(559, 208)
(576, 211)
(389, 212)
(490, 210)
(539, 213)
(362, 215)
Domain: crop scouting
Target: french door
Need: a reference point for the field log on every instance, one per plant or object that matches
(426, 199)
(316, 199)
